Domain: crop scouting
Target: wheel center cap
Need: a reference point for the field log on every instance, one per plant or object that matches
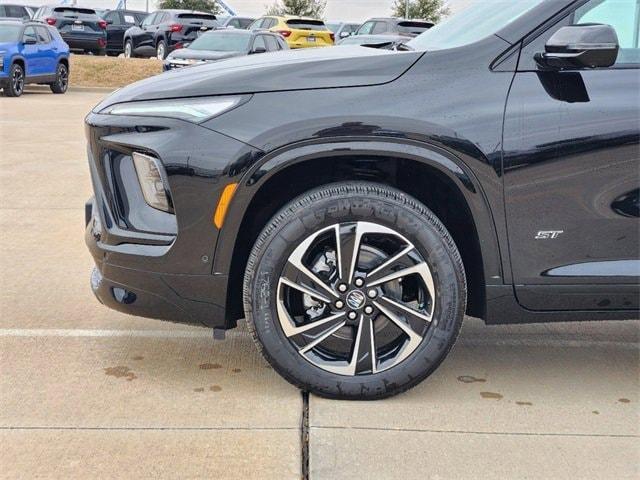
(356, 299)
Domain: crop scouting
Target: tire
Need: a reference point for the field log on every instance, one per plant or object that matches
(411, 317)
(15, 85)
(62, 79)
(161, 50)
(128, 49)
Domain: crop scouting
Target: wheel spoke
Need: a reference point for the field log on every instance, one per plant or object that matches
(421, 269)
(301, 272)
(386, 268)
(399, 321)
(312, 329)
(414, 318)
(304, 289)
(348, 236)
(364, 351)
(323, 337)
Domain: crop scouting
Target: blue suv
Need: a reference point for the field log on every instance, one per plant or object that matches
(32, 52)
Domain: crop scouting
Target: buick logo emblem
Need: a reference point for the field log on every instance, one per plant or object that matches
(356, 299)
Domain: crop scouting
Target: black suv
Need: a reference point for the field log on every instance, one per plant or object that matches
(81, 28)
(118, 22)
(354, 204)
(164, 31)
(393, 26)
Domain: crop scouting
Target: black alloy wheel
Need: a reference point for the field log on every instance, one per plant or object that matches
(15, 87)
(355, 291)
(62, 79)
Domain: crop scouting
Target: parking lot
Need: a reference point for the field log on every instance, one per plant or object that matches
(86, 392)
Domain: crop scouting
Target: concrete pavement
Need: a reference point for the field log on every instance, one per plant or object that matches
(86, 392)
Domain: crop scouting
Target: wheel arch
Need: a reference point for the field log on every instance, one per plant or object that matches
(454, 194)
(20, 61)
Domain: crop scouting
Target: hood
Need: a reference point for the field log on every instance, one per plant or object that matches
(189, 54)
(273, 72)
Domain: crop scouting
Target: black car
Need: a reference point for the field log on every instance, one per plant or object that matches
(15, 11)
(393, 26)
(164, 31)
(81, 28)
(222, 44)
(118, 22)
(353, 204)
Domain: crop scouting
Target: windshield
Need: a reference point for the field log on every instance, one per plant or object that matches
(222, 42)
(9, 33)
(483, 18)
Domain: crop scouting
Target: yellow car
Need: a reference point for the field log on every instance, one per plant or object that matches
(298, 32)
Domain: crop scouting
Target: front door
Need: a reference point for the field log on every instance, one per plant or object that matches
(31, 53)
(572, 172)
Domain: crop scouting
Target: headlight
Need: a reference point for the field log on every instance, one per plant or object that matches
(194, 110)
(151, 181)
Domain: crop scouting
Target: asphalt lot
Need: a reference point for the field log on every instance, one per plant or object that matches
(86, 392)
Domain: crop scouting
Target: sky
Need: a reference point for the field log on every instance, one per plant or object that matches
(345, 10)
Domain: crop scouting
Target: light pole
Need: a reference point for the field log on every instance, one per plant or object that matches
(406, 10)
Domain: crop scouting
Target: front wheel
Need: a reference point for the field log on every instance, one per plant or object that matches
(15, 83)
(128, 49)
(62, 79)
(355, 291)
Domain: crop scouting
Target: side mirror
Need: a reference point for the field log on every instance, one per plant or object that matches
(580, 46)
(30, 41)
(259, 50)
(109, 22)
(344, 34)
(186, 44)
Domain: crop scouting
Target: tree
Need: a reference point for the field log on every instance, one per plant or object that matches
(431, 10)
(301, 8)
(200, 5)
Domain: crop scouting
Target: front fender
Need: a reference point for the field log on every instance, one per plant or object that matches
(444, 161)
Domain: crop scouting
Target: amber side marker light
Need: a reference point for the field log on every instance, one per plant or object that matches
(223, 204)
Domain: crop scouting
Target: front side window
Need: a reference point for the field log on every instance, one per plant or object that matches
(366, 28)
(149, 20)
(259, 43)
(29, 34)
(272, 43)
(43, 35)
(623, 16)
(480, 20)
(380, 27)
(114, 17)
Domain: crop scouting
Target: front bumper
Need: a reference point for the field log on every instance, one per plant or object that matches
(172, 297)
(85, 43)
(150, 263)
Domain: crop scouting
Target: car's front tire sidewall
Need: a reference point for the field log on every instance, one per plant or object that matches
(342, 203)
